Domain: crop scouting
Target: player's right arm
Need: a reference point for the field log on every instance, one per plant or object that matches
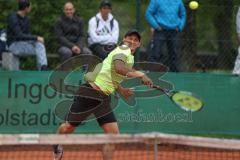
(120, 68)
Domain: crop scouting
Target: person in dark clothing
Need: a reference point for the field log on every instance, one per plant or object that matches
(167, 18)
(3, 40)
(69, 32)
(20, 41)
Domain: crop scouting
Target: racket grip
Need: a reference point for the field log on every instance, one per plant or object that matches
(160, 88)
(157, 87)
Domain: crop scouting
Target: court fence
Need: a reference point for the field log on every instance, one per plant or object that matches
(147, 146)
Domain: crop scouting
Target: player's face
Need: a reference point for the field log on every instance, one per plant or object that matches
(132, 42)
(69, 10)
(105, 10)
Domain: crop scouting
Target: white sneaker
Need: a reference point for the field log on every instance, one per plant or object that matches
(57, 152)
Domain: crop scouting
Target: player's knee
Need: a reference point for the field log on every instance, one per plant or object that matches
(110, 128)
(69, 127)
(115, 131)
(66, 128)
(111, 131)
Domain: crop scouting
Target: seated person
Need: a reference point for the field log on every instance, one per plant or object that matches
(103, 31)
(69, 32)
(236, 69)
(2, 42)
(20, 41)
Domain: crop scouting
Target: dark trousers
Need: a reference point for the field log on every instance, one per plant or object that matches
(159, 39)
(89, 101)
(2, 48)
(101, 50)
(65, 53)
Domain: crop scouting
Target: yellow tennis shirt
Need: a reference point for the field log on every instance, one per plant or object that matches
(106, 77)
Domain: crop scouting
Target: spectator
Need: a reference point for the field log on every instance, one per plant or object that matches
(150, 44)
(103, 31)
(2, 42)
(69, 32)
(236, 69)
(167, 18)
(20, 41)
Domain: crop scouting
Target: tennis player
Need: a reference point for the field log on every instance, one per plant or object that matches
(94, 96)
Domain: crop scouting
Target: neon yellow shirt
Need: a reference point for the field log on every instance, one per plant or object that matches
(106, 77)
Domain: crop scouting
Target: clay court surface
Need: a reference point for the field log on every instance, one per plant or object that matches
(122, 152)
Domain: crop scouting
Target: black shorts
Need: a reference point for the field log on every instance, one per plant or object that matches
(90, 104)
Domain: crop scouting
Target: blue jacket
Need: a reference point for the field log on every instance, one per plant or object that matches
(167, 14)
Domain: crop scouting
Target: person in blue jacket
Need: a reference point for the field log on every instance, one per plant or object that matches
(167, 18)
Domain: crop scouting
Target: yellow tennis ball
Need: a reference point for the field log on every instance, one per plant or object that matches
(193, 5)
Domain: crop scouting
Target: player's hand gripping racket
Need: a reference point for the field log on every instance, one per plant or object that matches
(185, 100)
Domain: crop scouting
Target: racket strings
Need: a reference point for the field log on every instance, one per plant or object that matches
(187, 101)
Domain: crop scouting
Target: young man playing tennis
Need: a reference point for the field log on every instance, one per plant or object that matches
(115, 68)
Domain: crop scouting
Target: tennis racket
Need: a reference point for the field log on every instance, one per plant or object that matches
(185, 100)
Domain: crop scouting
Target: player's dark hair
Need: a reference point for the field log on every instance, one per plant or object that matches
(22, 4)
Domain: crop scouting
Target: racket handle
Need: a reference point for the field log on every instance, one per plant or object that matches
(158, 87)
(166, 91)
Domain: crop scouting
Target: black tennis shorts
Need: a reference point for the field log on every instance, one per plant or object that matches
(90, 104)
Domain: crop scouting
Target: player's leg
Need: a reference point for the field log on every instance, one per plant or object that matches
(107, 121)
(66, 128)
(109, 125)
(78, 112)
(108, 149)
(110, 128)
(106, 118)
